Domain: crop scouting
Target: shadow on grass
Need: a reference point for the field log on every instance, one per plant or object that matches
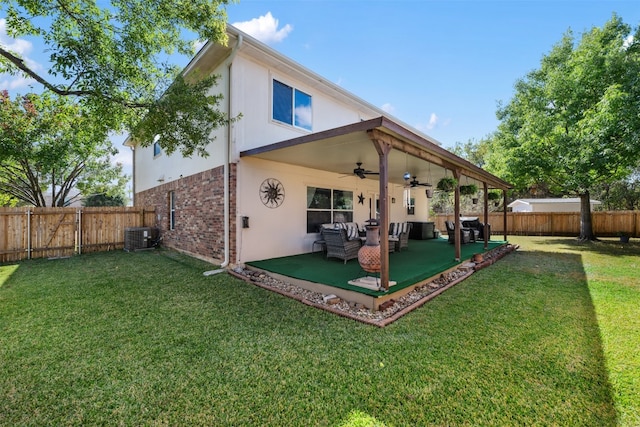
(604, 245)
(560, 294)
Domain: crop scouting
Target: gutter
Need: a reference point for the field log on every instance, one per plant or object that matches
(227, 150)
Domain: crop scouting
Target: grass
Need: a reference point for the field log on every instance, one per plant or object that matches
(547, 336)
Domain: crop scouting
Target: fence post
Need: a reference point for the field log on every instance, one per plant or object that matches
(79, 231)
(28, 233)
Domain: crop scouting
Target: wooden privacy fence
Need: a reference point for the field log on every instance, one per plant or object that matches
(609, 223)
(27, 233)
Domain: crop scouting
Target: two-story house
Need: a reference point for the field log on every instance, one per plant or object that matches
(305, 152)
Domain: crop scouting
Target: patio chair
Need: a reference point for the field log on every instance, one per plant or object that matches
(478, 228)
(466, 235)
(399, 235)
(319, 242)
(339, 246)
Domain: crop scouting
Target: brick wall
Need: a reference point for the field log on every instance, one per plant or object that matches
(199, 213)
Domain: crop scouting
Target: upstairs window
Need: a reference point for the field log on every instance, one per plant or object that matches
(157, 150)
(291, 106)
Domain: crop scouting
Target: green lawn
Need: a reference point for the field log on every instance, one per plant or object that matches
(547, 336)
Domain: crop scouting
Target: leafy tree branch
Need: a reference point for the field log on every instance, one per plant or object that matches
(116, 61)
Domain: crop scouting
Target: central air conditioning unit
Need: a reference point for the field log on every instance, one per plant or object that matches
(137, 238)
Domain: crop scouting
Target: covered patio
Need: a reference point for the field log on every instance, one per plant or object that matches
(424, 261)
(394, 152)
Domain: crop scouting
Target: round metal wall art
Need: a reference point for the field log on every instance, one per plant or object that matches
(271, 193)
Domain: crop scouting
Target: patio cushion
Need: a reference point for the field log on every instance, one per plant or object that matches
(397, 228)
(351, 228)
(352, 232)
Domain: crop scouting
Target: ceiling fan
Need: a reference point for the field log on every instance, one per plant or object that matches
(414, 182)
(361, 172)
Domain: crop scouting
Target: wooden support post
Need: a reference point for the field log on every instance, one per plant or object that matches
(383, 148)
(504, 214)
(486, 215)
(456, 214)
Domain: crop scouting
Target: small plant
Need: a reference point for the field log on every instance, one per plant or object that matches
(493, 195)
(468, 190)
(447, 184)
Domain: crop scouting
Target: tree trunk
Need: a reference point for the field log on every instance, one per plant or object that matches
(586, 226)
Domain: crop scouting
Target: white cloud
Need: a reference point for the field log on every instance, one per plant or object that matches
(18, 46)
(14, 82)
(265, 29)
(628, 41)
(388, 108)
(21, 48)
(433, 121)
(303, 116)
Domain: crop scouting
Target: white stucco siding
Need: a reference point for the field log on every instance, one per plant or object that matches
(282, 231)
(153, 170)
(252, 97)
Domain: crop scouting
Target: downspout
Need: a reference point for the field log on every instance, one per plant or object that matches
(227, 154)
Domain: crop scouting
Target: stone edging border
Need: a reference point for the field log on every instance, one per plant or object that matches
(489, 260)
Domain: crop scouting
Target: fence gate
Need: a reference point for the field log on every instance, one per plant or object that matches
(54, 232)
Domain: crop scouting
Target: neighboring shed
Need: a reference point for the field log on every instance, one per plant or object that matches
(549, 205)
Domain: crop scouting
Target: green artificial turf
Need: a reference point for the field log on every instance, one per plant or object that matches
(423, 259)
(547, 336)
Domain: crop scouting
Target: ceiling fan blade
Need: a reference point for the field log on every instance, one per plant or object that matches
(415, 183)
(361, 172)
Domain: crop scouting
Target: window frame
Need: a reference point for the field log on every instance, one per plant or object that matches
(172, 210)
(299, 102)
(157, 149)
(332, 210)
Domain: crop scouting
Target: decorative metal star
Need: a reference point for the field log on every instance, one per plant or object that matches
(361, 199)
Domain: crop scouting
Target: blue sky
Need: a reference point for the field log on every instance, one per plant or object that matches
(440, 66)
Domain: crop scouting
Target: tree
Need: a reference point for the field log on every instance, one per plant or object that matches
(8, 201)
(103, 200)
(621, 195)
(115, 60)
(473, 151)
(49, 145)
(574, 123)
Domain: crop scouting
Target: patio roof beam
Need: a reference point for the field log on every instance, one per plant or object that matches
(423, 154)
(411, 149)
